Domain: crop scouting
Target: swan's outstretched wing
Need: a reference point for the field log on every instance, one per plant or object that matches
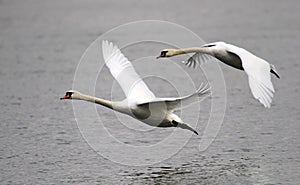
(200, 58)
(122, 70)
(260, 91)
(177, 103)
(259, 76)
(197, 59)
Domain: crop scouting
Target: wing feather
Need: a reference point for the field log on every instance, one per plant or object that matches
(181, 102)
(261, 92)
(197, 59)
(123, 71)
(259, 76)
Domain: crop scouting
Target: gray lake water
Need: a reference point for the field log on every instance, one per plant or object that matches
(41, 43)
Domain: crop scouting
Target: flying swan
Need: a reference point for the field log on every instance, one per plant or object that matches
(140, 102)
(257, 69)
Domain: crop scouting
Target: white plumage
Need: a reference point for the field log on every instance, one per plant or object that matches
(258, 70)
(140, 101)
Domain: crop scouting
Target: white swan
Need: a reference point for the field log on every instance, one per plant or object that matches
(257, 69)
(140, 102)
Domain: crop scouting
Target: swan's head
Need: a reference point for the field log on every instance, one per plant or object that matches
(167, 53)
(71, 94)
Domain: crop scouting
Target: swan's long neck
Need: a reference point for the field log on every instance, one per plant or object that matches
(192, 50)
(100, 101)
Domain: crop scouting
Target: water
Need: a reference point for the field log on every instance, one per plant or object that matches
(40, 46)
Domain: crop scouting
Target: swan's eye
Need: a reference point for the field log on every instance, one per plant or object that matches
(210, 45)
(163, 53)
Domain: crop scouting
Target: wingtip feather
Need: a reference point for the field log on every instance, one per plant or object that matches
(204, 89)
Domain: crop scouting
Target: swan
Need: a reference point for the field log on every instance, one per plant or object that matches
(140, 102)
(257, 69)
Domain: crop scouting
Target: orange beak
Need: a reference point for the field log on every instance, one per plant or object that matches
(161, 55)
(65, 97)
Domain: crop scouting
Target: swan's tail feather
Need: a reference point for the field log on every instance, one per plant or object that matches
(273, 70)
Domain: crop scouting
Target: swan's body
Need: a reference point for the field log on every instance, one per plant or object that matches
(257, 69)
(140, 103)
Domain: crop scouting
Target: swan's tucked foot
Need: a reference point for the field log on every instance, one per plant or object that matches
(273, 70)
(183, 126)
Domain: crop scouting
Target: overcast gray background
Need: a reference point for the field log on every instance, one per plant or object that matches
(41, 43)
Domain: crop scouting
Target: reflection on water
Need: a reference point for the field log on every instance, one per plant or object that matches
(203, 170)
